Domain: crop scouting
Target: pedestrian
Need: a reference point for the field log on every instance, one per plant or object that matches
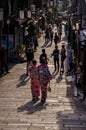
(35, 41)
(43, 56)
(51, 36)
(60, 31)
(45, 77)
(50, 27)
(55, 55)
(3, 60)
(63, 56)
(66, 29)
(35, 84)
(47, 36)
(56, 38)
(29, 56)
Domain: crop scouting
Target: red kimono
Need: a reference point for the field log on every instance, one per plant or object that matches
(35, 85)
(45, 78)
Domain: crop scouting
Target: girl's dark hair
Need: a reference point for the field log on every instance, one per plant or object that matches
(43, 50)
(42, 61)
(34, 62)
(63, 46)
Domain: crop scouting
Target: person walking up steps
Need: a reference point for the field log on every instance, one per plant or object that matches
(45, 77)
(47, 36)
(63, 56)
(51, 37)
(43, 56)
(55, 55)
(56, 38)
(35, 84)
(29, 56)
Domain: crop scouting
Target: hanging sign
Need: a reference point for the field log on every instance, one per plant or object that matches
(21, 14)
(33, 9)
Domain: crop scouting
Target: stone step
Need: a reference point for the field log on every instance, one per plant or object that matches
(42, 126)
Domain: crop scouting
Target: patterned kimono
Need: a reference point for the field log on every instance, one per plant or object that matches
(35, 85)
(45, 78)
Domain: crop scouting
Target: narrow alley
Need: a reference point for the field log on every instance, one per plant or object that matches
(62, 111)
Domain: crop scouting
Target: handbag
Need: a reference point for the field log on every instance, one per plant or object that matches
(49, 89)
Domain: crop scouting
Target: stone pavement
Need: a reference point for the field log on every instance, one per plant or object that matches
(62, 111)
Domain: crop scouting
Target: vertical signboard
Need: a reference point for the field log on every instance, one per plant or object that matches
(21, 14)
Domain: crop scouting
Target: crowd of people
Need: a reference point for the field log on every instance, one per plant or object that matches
(51, 36)
(40, 74)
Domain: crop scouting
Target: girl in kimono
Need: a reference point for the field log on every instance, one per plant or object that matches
(35, 85)
(44, 77)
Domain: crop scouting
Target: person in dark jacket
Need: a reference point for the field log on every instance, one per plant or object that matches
(46, 36)
(63, 56)
(29, 56)
(56, 38)
(35, 41)
(55, 55)
(51, 36)
(43, 56)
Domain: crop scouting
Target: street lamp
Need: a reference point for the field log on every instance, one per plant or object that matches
(8, 23)
(77, 53)
(51, 3)
(77, 40)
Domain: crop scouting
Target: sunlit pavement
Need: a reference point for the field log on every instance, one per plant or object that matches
(62, 111)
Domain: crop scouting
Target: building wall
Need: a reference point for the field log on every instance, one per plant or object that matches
(38, 3)
(4, 5)
(81, 7)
